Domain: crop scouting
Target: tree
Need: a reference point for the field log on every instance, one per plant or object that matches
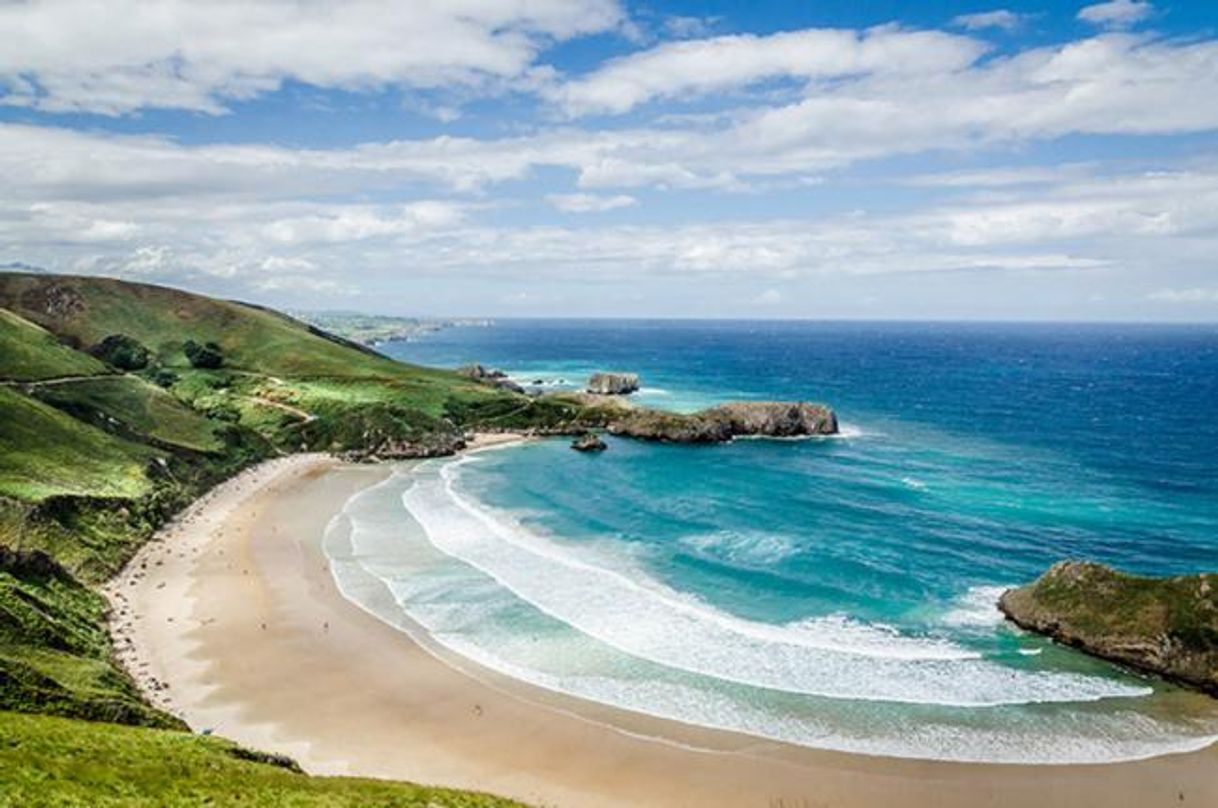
(207, 356)
(122, 352)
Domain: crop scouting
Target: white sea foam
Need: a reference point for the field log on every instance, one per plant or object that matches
(459, 605)
(830, 657)
(750, 548)
(977, 607)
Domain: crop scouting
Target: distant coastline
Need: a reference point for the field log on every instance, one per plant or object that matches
(375, 329)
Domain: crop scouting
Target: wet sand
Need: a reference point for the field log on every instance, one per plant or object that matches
(231, 620)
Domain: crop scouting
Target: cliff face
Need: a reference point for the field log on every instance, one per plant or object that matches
(727, 421)
(613, 384)
(1166, 626)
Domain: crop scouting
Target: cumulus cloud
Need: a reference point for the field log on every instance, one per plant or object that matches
(122, 55)
(589, 203)
(999, 18)
(1116, 13)
(720, 63)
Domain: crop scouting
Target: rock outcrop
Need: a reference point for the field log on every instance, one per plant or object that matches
(589, 442)
(775, 419)
(613, 384)
(1165, 626)
(436, 444)
(492, 376)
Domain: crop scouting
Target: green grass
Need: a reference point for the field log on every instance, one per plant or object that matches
(29, 352)
(54, 762)
(55, 654)
(142, 408)
(45, 453)
(86, 310)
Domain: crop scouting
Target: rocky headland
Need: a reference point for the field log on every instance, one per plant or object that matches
(1164, 626)
(774, 419)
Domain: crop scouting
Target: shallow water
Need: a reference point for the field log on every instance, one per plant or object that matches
(837, 593)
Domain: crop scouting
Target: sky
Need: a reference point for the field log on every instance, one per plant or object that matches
(724, 158)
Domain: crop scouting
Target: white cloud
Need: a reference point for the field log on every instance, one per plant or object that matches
(1197, 294)
(728, 62)
(1116, 13)
(123, 55)
(686, 27)
(1000, 18)
(589, 203)
(1107, 84)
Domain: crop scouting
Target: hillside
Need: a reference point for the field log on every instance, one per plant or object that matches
(119, 404)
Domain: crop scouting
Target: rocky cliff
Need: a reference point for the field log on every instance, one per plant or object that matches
(1165, 626)
(727, 421)
(613, 384)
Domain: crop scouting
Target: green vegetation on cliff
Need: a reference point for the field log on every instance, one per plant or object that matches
(1166, 626)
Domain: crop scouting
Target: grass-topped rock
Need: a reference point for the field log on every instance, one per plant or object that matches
(1165, 626)
(772, 419)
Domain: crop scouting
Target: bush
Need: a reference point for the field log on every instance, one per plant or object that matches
(122, 352)
(207, 356)
(164, 377)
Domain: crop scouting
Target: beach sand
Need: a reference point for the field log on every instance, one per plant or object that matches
(231, 620)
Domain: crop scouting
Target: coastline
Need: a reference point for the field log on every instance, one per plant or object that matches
(234, 609)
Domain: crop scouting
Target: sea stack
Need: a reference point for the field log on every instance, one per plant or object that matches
(589, 442)
(613, 384)
(1165, 626)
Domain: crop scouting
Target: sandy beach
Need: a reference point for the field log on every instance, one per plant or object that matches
(231, 620)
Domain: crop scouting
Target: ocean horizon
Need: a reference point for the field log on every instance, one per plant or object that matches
(837, 592)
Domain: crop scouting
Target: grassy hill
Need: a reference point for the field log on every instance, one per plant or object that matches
(28, 352)
(54, 762)
(119, 404)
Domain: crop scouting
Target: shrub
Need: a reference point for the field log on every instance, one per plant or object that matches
(164, 377)
(122, 352)
(207, 356)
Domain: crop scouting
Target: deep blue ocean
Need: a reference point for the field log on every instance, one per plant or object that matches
(834, 592)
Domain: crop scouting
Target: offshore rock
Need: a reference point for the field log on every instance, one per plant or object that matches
(1164, 626)
(613, 384)
(589, 442)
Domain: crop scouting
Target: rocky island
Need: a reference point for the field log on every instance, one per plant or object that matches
(1164, 626)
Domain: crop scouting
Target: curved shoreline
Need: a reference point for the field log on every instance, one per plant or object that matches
(233, 608)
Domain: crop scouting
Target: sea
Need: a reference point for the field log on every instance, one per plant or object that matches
(837, 593)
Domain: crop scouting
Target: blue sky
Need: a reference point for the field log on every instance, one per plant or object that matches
(831, 159)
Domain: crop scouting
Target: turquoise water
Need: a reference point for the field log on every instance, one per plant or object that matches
(839, 592)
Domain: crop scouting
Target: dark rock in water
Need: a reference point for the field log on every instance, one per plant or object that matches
(777, 419)
(1165, 626)
(589, 442)
(613, 384)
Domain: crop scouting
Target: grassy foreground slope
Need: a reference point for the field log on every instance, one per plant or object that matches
(55, 762)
